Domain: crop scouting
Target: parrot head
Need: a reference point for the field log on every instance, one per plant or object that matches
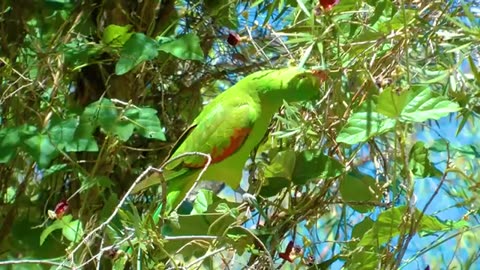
(289, 84)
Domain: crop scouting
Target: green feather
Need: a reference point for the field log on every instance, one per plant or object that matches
(248, 105)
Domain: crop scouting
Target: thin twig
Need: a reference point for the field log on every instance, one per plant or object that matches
(416, 223)
(98, 256)
(114, 213)
(202, 172)
(129, 191)
(188, 266)
(190, 237)
(258, 48)
(267, 252)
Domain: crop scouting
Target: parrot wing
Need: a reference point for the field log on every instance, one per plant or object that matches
(220, 130)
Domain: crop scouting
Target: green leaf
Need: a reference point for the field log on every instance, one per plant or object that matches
(45, 147)
(389, 224)
(363, 125)
(391, 103)
(56, 225)
(187, 47)
(101, 113)
(41, 149)
(11, 138)
(105, 114)
(419, 163)
(273, 185)
(203, 199)
(424, 105)
(222, 208)
(360, 192)
(362, 227)
(116, 35)
(123, 129)
(398, 21)
(79, 53)
(73, 231)
(473, 67)
(63, 132)
(10, 195)
(366, 258)
(363, 257)
(381, 8)
(120, 262)
(282, 165)
(200, 224)
(109, 206)
(346, 5)
(469, 151)
(138, 49)
(146, 122)
(431, 224)
(403, 18)
(310, 165)
(82, 145)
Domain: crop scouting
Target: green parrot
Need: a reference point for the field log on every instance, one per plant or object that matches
(231, 126)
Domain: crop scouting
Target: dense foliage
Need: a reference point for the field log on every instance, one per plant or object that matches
(93, 93)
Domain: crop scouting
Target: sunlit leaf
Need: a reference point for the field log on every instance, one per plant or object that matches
(282, 164)
(73, 230)
(360, 192)
(101, 113)
(116, 35)
(123, 129)
(119, 263)
(146, 122)
(138, 49)
(203, 199)
(363, 125)
(390, 103)
(56, 225)
(362, 227)
(366, 258)
(391, 221)
(423, 105)
(186, 47)
(419, 162)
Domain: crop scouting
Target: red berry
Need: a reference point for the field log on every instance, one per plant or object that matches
(328, 4)
(233, 39)
(61, 208)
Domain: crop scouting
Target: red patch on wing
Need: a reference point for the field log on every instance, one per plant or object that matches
(236, 140)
